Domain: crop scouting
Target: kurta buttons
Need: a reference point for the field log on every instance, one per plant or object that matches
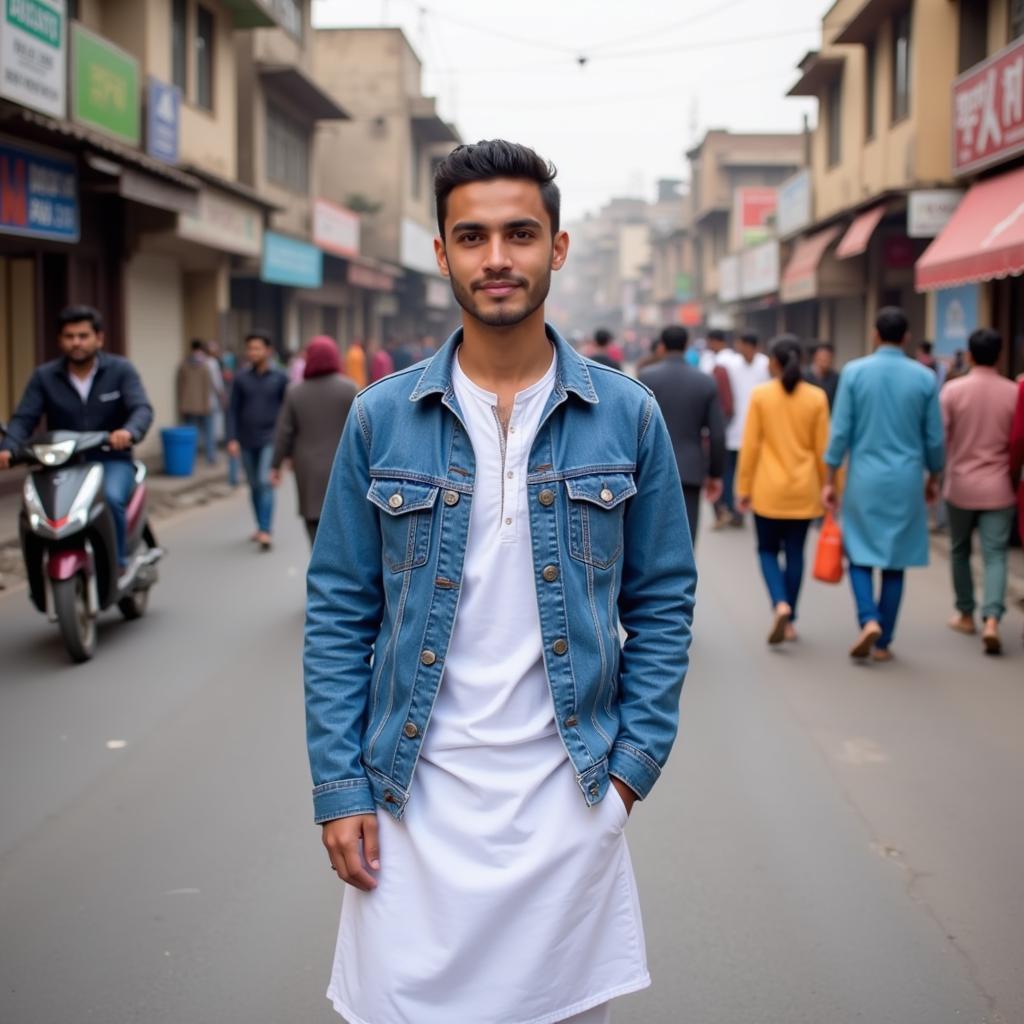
(451, 498)
(546, 497)
(550, 573)
(411, 730)
(428, 657)
(560, 647)
(396, 501)
(606, 495)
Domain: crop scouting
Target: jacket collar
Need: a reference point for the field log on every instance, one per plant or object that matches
(572, 374)
(102, 361)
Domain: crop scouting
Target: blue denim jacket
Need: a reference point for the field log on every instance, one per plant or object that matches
(610, 543)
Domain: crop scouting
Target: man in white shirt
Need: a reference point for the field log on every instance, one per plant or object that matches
(746, 369)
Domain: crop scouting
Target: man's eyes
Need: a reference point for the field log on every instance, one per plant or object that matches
(522, 235)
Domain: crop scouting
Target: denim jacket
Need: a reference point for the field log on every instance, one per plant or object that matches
(611, 546)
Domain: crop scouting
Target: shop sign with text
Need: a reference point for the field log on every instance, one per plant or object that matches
(224, 222)
(163, 116)
(794, 211)
(32, 54)
(988, 111)
(956, 316)
(105, 86)
(930, 210)
(335, 228)
(753, 216)
(38, 194)
(292, 262)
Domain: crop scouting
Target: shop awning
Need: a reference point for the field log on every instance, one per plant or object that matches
(800, 278)
(983, 240)
(817, 72)
(859, 233)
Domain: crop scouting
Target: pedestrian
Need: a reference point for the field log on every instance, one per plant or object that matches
(821, 372)
(309, 427)
(781, 475)
(1017, 457)
(196, 396)
(296, 366)
(887, 422)
(977, 414)
(381, 363)
(925, 356)
(746, 369)
(688, 400)
(218, 392)
(654, 354)
(256, 398)
(477, 737)
(601, 352)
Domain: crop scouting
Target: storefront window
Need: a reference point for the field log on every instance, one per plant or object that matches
(871, 68)
(973, 32)
(205, 28)
(287, 150)
(901, 66)
(835, 122)
(179, 43)
(1016, 19)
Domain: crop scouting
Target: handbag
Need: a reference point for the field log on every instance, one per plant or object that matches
(828, 559)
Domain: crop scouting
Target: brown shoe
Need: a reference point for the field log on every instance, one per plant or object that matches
(868, 638)
(782, 616)
(990, 637)
(880, 655)
(963, 624)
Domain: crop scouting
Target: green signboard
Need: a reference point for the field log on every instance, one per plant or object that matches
(105, 86)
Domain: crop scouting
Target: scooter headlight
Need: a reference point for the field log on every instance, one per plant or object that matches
(33, 505)
(79, 513)
(54, 454)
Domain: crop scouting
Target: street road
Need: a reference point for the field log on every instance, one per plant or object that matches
(829, 844)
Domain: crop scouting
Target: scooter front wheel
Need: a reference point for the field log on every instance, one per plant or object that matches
(77, 624)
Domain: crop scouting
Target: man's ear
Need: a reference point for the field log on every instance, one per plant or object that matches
(441, 255)
(560, 250)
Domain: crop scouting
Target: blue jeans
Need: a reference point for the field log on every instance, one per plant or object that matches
(782, 536)
(728, 499)
(883, 611)
(118, 484)
(257, 470)
(205, 425)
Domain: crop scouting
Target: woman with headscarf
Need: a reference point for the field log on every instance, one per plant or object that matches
(781, 473)
(309, 427)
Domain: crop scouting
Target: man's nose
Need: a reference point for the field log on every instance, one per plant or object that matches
(497, 256)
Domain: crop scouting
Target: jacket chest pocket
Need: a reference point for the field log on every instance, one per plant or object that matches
(596, 509)
(407, 511)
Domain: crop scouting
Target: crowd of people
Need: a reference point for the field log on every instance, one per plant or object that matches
(784, 436)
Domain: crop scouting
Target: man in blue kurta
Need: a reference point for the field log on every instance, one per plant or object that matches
(887, 422)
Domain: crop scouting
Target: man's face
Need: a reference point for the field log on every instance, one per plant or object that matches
(80, 342)
(257, 352)
(716, 344)
(747, 350)
(498, 250)
(823, 360)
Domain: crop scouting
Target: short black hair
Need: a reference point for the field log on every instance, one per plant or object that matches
(985, 345)
(716, 335)
(892, 324)
(926, 347)
(751, 338)
(603, 337)
(826, 345)
(263, 336)
(78, 315)
(675, 338)
(496, 158)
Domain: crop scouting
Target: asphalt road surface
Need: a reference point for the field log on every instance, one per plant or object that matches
(829, 844)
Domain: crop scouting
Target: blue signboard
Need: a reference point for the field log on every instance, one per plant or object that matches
(288, 261)
(163, 116)
(956, 316)
(38, 194)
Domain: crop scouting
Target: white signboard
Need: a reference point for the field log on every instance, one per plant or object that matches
(759, 270)
(794, 210)
(438, 294)
(335, 229)
(417, 251)
(729, 278)
(225, 223)
(929, 211)
(33, 47)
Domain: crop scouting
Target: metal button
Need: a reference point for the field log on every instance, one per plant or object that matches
(606, 495)
(451, 498)
(389, 797)
(594, 789)
(560, 647)
(550, 573)
(411, 730)
(571, 722)
(510, 474)
(396, 501)
(428, 657)
(508, 522)
(546, 497)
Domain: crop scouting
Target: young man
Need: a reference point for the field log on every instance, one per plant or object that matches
(977, 413)
(821, 372)
(746, 369)
(196, 397)
(887, 420)
(602, 351)
(256, 399)
(688, 400)
(86, 390)
(495, 515)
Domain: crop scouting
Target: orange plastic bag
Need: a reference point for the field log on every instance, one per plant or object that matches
(828, 560)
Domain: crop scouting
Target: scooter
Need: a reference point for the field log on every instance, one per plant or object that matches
(69, 543)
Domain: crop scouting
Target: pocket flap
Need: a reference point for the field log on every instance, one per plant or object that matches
(397, 497)
(605, 491)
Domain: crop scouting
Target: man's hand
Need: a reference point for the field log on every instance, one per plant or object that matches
(120, 440)
(713, 489)
(234, 449)
(5, 459)
(743, 504)
(353, 845)
(932, 490)
(275, 478)
(628, 796)
(829, 498)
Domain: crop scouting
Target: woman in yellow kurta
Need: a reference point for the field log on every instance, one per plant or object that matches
(781, 473)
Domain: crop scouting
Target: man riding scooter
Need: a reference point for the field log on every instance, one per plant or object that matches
(87, 390)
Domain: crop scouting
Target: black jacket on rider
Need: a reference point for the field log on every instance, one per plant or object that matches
(117, 401)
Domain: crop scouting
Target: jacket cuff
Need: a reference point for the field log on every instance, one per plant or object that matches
(342, 800)
(634, 768)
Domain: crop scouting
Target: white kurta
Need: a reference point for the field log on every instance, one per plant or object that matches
(503, 897)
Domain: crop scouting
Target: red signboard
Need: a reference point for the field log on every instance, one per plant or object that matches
(988, 111)
(753, 215)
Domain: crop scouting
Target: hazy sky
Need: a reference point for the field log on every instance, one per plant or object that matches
(658, 73)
